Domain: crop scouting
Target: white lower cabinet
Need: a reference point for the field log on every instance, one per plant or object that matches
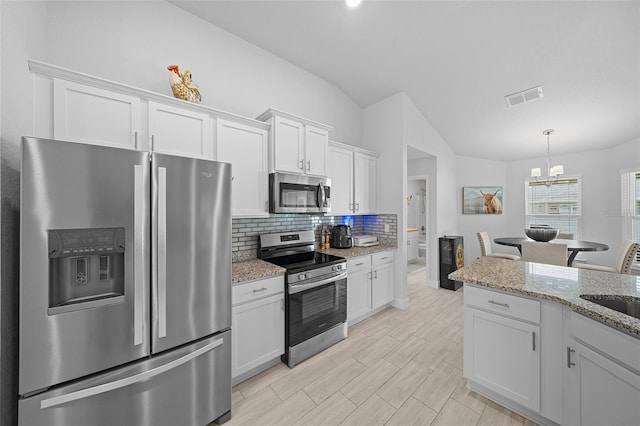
(257, 325)
(369, 285)
(358, 287)
(502, 344)
(549, 363)
(602, 384)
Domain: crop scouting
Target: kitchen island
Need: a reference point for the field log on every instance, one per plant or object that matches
(533, 345)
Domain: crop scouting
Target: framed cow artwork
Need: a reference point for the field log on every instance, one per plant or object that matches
(482, 200)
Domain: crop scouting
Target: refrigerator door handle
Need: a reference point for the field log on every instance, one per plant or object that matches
(138, 255)
(162, 252)
(136, 378)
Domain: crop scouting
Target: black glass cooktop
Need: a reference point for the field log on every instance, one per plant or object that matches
(305, 261)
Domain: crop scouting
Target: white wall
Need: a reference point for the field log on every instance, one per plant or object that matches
(419, 134)
(389, 126)
(601, 202)
(478, 172)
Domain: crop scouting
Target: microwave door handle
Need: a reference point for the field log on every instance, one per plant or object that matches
(320, 195)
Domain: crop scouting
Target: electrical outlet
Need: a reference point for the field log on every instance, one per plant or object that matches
(386, 227)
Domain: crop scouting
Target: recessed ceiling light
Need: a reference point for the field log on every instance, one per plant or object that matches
(353, 3)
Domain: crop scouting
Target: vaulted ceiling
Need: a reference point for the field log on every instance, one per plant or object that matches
(456, 60)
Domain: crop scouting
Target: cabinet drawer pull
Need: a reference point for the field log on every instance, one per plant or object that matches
(493, 302)
(308, 164)
(258, 290)
(359, 264)
(383, 258)
(302, 164)
(569, 351)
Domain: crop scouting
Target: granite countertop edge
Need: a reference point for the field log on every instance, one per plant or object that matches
(254, 269)
(521, 278)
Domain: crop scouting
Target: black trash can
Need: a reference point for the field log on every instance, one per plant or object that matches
(451, 255)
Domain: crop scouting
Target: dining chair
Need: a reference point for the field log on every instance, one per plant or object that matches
(565, 236)
(550, 253)
(485, 248)
(626, 254)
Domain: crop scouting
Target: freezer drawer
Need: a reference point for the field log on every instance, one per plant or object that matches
(187, 386)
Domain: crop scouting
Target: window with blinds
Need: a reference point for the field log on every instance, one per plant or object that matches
(630, 209)
(558, 205)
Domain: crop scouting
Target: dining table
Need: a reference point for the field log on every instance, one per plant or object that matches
(573, 246)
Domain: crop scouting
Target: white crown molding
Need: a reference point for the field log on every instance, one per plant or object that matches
(101, 83)
(275, 112)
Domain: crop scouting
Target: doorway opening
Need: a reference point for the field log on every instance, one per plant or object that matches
(417, 222)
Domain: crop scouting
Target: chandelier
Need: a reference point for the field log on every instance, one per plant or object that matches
(552, 172)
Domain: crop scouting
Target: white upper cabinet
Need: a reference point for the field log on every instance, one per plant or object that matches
(246, 148)
(180, 131)
(95, 116)
(297, 145)
(365, 182)
(316, 143)
(289, 149)
(353, 174)
(340, 171)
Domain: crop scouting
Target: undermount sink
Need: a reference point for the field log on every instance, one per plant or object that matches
(627, 305)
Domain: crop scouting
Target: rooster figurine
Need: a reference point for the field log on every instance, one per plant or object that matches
(182, 86)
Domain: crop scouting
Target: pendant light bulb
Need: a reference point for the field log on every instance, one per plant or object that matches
(353, 3)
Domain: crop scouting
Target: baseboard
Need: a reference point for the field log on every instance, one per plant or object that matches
(400, 303)
(507, 403)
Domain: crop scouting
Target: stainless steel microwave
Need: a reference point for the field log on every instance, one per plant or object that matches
(289, 193)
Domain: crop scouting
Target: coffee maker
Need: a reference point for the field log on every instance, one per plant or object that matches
(341, 236)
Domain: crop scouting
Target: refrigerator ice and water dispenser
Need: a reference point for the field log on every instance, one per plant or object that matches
(86, 268)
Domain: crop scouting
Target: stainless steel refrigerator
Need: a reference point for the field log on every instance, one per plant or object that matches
(125, 287)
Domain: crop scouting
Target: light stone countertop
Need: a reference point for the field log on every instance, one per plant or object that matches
(359, 251)
(557, 283)
(253, 269)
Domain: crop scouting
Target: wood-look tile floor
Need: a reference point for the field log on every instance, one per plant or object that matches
(398, 367)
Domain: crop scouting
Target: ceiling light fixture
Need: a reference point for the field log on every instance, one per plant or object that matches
(353, 3)
(552, 172)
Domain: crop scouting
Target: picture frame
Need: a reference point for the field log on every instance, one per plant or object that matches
(482, 200)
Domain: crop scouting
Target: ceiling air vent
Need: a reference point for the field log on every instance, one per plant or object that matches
(525, 96)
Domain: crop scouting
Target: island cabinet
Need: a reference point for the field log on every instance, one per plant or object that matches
(257, 326)
(502, 344)
(353, 174)
(369, 285)
(297, 145)
(246, 148)
(602, 374)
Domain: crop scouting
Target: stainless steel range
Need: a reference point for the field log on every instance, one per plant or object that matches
(316, 289)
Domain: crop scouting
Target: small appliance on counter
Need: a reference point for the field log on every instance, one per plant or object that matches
(365, 240)
(341, 237)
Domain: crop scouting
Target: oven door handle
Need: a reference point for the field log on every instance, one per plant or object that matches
(293, 289)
